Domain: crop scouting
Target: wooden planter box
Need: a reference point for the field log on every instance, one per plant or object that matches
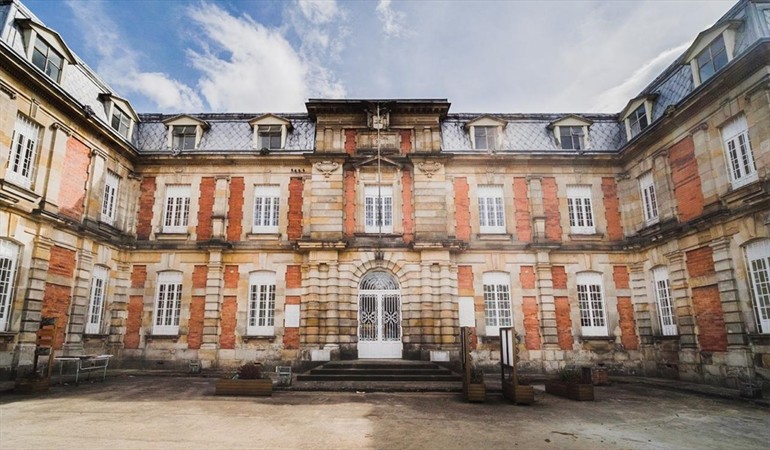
(476, 392)
(573, 391)
(519, 394)
(246, 388)
(31, 385)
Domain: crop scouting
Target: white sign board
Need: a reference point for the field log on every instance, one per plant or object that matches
(467, 314)
(291, 316)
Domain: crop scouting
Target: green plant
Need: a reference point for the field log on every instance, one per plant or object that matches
(250, 371)
(569, 375)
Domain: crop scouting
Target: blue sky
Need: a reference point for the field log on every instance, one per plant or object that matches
(259, 56)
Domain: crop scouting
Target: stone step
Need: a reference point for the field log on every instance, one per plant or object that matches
(370, 377)
(378, 371)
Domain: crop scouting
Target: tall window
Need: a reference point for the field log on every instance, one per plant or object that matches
(266, 207)
(758, 255)
(740, 160)
(23, 151)
(184, 136)
(110, 198)
(269, 137)
(581, 215)
(378, 209)
(168, 303)
(485, 138)
(649, 199)
(571, 138)
(261, 304)
(96, 300)
(712, 58)
(593, 319)
(491, 210)
(121, 122)
(177, 212)
(638, 120)
(47, 59)
(9, 255)
(497, 302)
(665, 303)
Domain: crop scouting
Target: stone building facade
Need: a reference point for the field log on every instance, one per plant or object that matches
(376, 228)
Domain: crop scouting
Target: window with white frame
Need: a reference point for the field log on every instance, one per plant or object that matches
(485, 137)
(168, 303)
(269, 136)
(23, 152)
(593, 318)
(110, 198)
(649, 199)
(9, 255)
(378, 202)
(183, 137)
(177, 213)
(45, 58)
(712, 58)
(121, 121)
(96, 300)
(758, 256)
(497, 301)
(665, 303)
(637, 120)
(571, 138)
(491, 209)
(740, 160)
(266, 207)
(581, 215)
(261, 318)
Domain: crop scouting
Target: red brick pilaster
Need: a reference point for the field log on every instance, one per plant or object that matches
(235, 209)
(350, 203)
(686, 179)
(350, 142)
(551, 207)
(57, 294)
(406, 141)
(72, 193)
(712, 334)
(146, 204)
(522, 214)
(700, 262)
(612, 209)
(527, 277)
(620, 276)
(133, 322)
(531, 323)
(296, 185)
(462, 210)
(227, 335)
(563, 322)
(195, 325)
(559, 277)
(627, 324)
(231, 276)
(206, 208)
(407, 207)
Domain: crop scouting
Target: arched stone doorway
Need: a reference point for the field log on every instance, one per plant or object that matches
(379, 316)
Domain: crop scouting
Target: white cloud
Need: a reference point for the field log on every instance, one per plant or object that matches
(392, 21)
(120, 65)
(319, 11)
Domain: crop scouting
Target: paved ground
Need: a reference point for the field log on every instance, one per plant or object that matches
(169, 412)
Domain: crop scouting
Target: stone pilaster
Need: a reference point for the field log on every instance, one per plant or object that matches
(212, 307)
(33, 303)
(681, 299)
(728, 293)
(119, 308)
(311, 314)
(642, 307)
(548, 328)
(426, 304)
(81, 292)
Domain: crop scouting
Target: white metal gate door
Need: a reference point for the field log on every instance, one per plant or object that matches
(379, 317)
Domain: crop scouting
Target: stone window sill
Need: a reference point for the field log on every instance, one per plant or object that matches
(586, 236)
(269, 338)
(167, 337)
(7, 336)
(172, 236)
(263, 236)
(596, 338)
(96, 337)
(759, 338)
(493, 237)
(660, 337)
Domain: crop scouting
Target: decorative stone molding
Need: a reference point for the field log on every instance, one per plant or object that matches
(327, 167)
(429, 168)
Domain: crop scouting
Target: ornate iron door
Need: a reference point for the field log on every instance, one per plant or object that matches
(379, 317)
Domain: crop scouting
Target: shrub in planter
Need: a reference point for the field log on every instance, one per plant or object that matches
(248, 381)
(570, 385)
(476, 390)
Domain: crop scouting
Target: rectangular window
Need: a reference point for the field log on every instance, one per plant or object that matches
(266, 207)
(9, 255)
(485, 138)
(47, 59)
(491, 209)
(665, 303)
(712, 58)
(571, 138)
(110, 199)
(261, 304)
(168, 303)
(96, 300)
(740, 159)
(638, 120)
(269, 137)
(183, 137)
(649, 199)
(593, 320)
(758, 255)
(121, 122)
(177, 212)
(378, 203)
(581, 215)
(23, 152)
(497, 302)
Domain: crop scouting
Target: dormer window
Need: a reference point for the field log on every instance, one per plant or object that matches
(486, 132)
(122, 116)
(637, 121)
(712, 58)
(485, 138)
(571, 138)
(270, 132)
(121, 121)
(185, 132)
(47, 59)
(571, 132)
(184, 137)
(637, 115)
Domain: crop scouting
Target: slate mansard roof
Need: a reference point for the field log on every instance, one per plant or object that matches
(522, 132)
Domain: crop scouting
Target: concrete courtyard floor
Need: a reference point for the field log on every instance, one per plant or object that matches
(177, 412)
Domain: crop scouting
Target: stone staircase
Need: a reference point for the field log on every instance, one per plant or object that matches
(374, 374)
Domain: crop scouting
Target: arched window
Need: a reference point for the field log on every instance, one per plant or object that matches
(662, 288)
(378, 281)
(497, 301)
(9, 255)
(261, 304)
(168, 303)
(758, 256)
(593, 314)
